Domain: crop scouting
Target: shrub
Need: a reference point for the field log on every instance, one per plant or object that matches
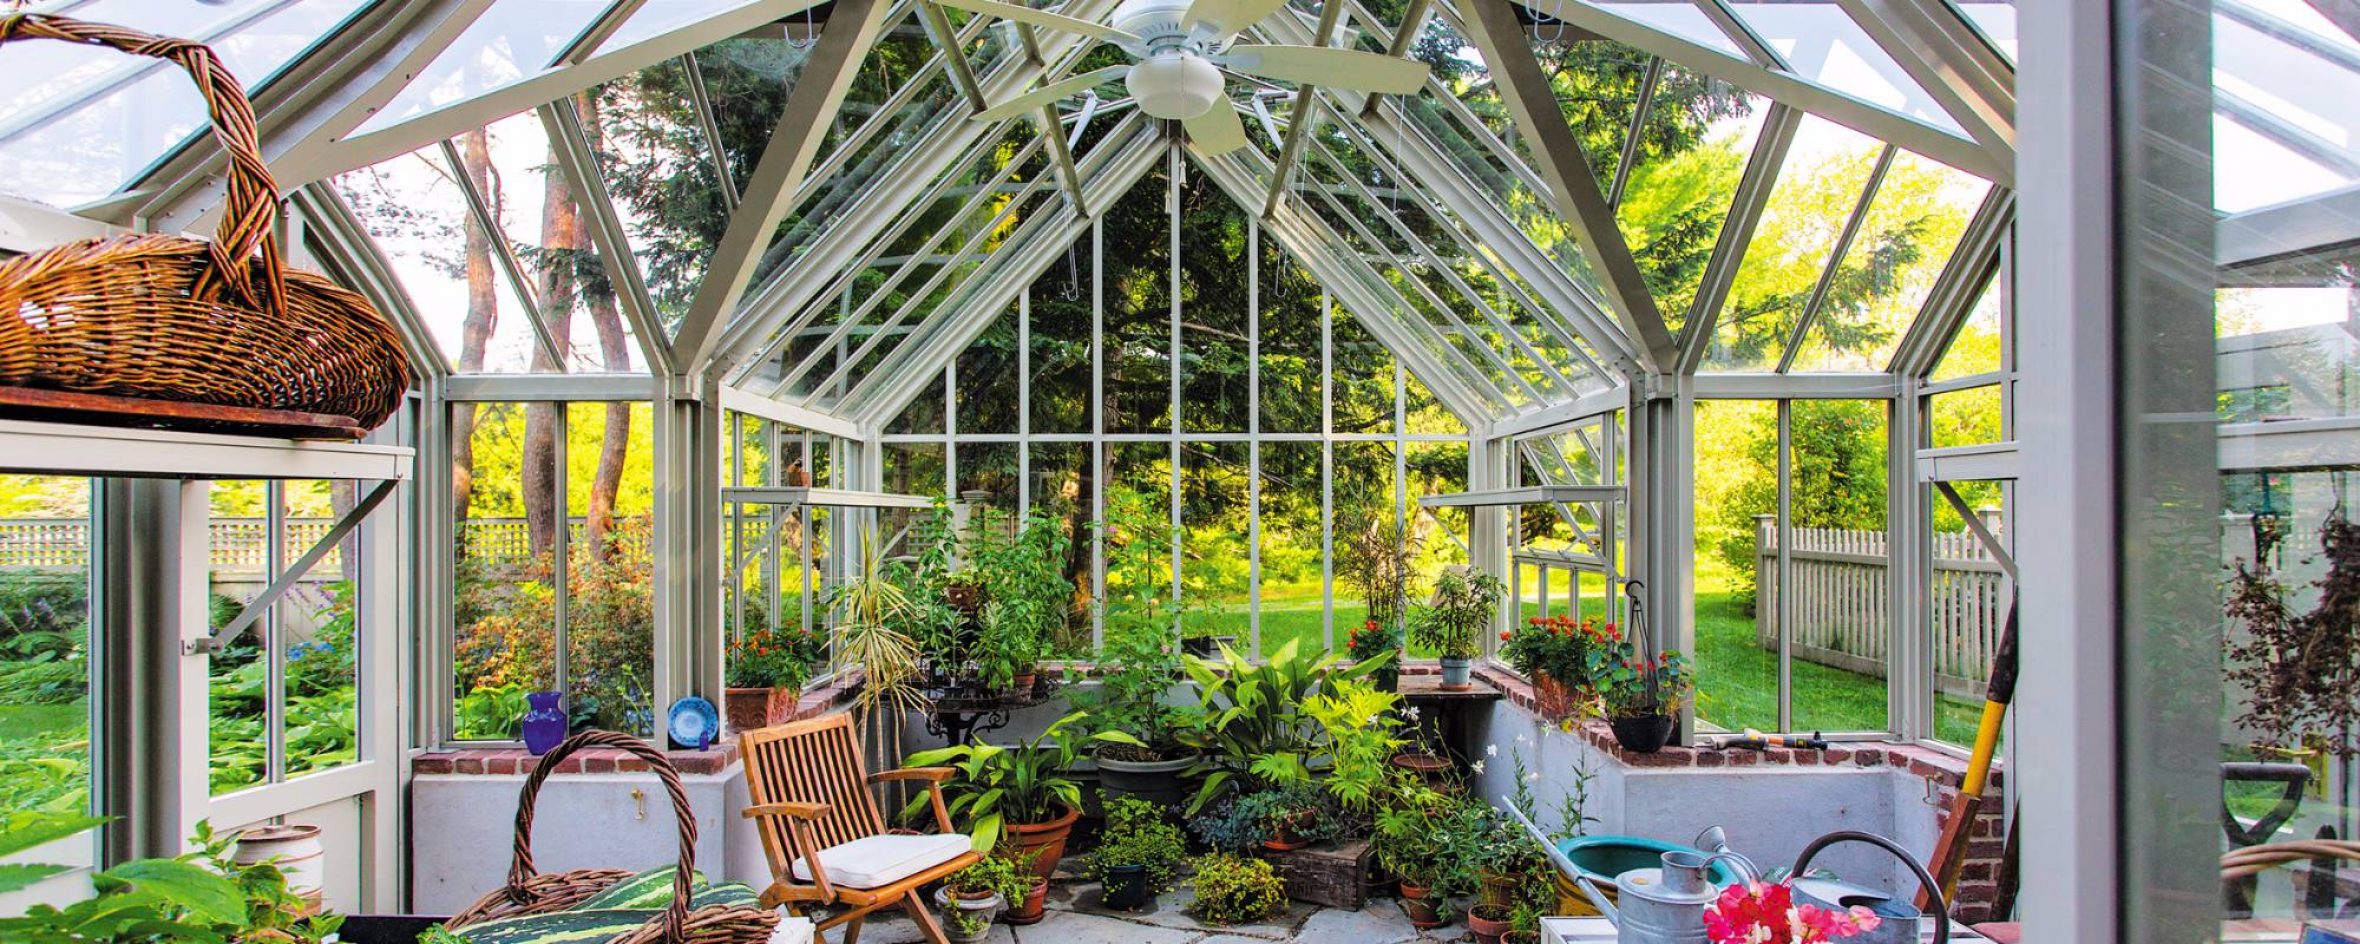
(1138, 834)
(1229, 825)
(776, 659)
(1008, 876)
(1233, 889)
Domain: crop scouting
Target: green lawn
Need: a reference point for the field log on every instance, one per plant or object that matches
(41, 722)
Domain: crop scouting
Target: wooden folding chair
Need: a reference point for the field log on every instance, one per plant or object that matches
(824, 835)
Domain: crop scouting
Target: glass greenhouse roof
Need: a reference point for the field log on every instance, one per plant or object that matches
(1788, 185)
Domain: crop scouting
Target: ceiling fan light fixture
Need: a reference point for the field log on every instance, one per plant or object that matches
(1176, 85)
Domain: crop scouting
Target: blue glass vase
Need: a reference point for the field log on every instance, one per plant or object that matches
(544, 722)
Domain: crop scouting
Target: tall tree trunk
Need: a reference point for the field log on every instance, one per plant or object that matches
(614, 350)
(475, 333)
(544, 482)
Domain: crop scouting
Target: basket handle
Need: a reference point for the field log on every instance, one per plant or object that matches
(521, 870)
(250, 214)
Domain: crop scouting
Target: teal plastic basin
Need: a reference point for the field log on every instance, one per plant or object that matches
(1604, 857)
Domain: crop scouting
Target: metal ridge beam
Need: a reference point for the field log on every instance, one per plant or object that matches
(1944, 56)
(794, 143)
(1532, 104)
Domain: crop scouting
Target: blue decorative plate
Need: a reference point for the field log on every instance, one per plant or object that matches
(694, 723)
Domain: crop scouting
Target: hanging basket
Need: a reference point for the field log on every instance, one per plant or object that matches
(529, 892)
(148, 329)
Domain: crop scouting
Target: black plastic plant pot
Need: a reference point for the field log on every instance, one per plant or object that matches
(1642, 734)
(1127, 888)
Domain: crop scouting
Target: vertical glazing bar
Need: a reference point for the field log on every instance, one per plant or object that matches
(1254, 433)
(806, 529)
(1173, 168)
(274, 632)
(735, 586)
(773, 593)
(1786, 565)
(1023, 404)
(1097, 409)
(1327, 470)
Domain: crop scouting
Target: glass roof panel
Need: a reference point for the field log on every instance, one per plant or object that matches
(111, 116)
(1824, 45)
(1675, 198)
(663, 16)
(2284, 78)
(1921, 209)
(513, 40)
(1995, 19)
(542, 218)
(1679, 18)
(413, 207)
(1977, 347)
(1826, 169)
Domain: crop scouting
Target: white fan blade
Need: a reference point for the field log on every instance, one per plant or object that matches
(1052, 92)
(1042, 18)
(1228, 17)
(1217, 131)
(1334, 68)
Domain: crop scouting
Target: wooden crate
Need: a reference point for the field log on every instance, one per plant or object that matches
(1333, 875)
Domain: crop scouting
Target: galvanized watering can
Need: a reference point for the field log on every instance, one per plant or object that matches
(1663, 905)
(1899, 920)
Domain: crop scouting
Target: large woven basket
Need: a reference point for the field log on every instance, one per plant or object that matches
(171, 318)
(529, 892)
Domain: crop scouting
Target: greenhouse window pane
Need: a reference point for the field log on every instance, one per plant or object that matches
(1061, 349)
(1822, 44)
(1826, 169)
(412, 206)
(658, 17)
(1978, 346)
(1679, 190)
(1904, 242)
(141, 108)
(1679, 18)
(512, 41)
(1996, 20)
(2283, 78)
(987, 380)
(549, 231)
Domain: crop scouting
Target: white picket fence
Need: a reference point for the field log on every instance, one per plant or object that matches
(1841, 600)
(241, 546)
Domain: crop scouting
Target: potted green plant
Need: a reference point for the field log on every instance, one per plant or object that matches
(1233, 889)
(1138, 856)
(1031, 906)
(1451, 624)
(972, 897)
(1374, 640)
(1489, 922)
(1139, 670)
(766, 673)
(1254, 726)
(1555, 654)
(1018, 793)
(1427, 838)
(1641, 695)
(1291, 816)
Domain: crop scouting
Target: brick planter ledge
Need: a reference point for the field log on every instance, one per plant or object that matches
(510, 761)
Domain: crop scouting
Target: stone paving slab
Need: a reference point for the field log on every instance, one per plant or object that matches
(1074, 927)
(1075, 918)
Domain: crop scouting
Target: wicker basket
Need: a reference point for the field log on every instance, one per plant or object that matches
(172, 318)
(529, 893)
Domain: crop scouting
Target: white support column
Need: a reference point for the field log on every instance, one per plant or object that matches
(687, 542)
(151, 758)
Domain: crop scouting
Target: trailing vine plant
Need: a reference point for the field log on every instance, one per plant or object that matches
(2300, 671)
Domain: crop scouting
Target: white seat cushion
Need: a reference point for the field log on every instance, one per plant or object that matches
(878, 861)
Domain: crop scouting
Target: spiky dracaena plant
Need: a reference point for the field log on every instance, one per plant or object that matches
(866, 608)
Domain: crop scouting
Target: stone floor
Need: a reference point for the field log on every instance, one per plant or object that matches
(1074, 917)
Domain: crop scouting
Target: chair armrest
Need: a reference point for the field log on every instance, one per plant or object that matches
(928, 774)
(795, 810)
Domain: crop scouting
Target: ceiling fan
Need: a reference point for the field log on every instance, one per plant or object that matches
(1182, 47)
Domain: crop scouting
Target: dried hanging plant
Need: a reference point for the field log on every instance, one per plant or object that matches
(2300, 672)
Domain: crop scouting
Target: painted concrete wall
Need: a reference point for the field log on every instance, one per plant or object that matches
(461, 827)
(1769, 813)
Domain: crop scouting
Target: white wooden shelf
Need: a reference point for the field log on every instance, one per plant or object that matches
(1988, 462)
(69, 449)
(1528, 495)
(822, 497)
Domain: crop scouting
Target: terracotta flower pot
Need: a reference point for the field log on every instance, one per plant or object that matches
(1497, 889)
(1286, 834)
(1423, 911)
(1432, 768)
(751, 709)
(1032, 908)
(1045, 840)
(1488, 923)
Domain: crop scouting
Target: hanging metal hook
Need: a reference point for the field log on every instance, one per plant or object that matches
(810, 30)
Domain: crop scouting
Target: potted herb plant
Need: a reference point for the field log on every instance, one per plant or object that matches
(1139, 672)
(1138, 856)
(1489, 922)
(973, 896)
(1451, 623)
(1031, 906)
(1428, 839)
(766, 674)
(1017, 793)
(1291, 816)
